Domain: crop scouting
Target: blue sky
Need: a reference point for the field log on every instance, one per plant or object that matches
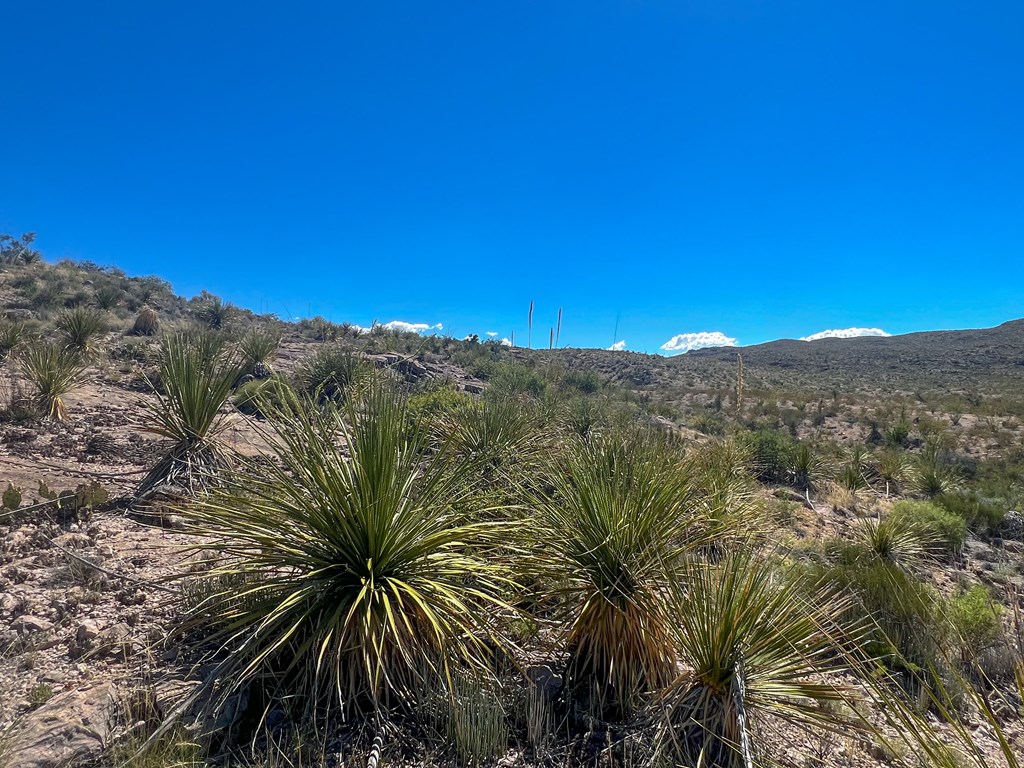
(760, 170)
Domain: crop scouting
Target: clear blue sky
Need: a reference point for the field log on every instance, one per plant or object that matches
(759, 169)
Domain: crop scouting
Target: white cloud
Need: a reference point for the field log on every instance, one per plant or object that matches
(845, 333)
(505, 343)
(618, 346)
(404, 327)
(492, 334)
(684, 342)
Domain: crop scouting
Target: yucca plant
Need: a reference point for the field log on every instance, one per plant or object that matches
(606, 539)
(753, 644)
(896, 539)
(853, 474)
(366, 579)
(197, 374)
(53, 371)
(215, 312)
(810, 468)
(495, 433)
(12, 335)
(258, 346)
(80, 327)
(933, 476)
(932, 479)
(330, 372)
(725, 494)
(894, 468)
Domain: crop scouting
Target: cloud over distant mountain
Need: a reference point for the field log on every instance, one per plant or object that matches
(845, 333)
(684, 342)
(618, 346)
(404, 327)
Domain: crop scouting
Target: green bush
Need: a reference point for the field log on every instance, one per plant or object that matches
(510, 379)
(901, 611)
(586, 382)
(771, 456)
(974, 618)
(980, 514)
(263, 397)
(443, 401)
(948, 529)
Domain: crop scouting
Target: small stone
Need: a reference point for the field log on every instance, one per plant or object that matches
(115, 641)
(27, 625)
(87, 631)
(73, 541)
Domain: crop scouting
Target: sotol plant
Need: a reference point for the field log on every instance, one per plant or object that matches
(11, 337)
(606, 539)
(366, 582)
(53, 371)
(329, 373)
(80, 327)
(258, 346)
(197, 374)
(752, 644)
(147, 323)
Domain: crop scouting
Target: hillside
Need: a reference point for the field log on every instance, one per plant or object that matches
(520, 531)
(985, 361)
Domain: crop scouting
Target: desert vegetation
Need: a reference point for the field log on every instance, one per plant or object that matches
(386, 548)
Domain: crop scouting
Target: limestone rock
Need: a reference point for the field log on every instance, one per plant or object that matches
(29, 625)
(69, 729)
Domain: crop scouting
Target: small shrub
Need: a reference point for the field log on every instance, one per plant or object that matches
(264, 397)
(898, 434)
(981, 514)
(12, 497)
(511, 379)
(902, 611)
(444, 401)
(147, 323)
(975, 620)
(771, 456)
(948, 529)
(586, 382)
(39, 694)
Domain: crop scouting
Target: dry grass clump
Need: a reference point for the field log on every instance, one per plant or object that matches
(147, 323)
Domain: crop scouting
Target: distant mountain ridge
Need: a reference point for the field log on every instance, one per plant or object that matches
(985, 361)
(931, 356)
